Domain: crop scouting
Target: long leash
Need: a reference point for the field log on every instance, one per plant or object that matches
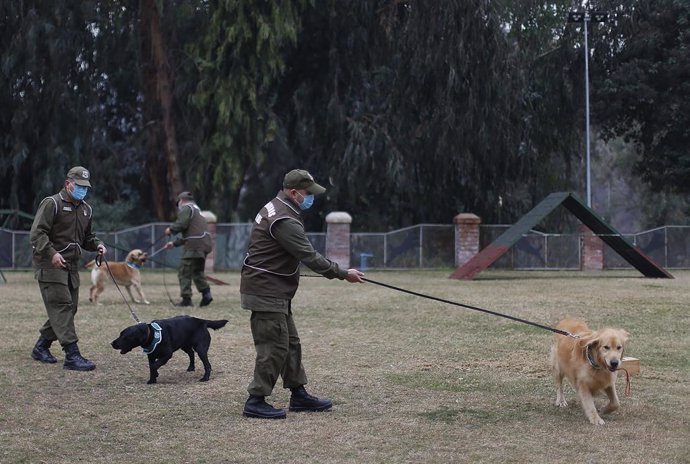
(164, 263)
(100, 260)
(628, 387)
(474, 308)
(165, 285)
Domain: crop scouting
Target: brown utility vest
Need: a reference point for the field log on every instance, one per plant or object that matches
(268, 269)
(70, 228)
(197, 236)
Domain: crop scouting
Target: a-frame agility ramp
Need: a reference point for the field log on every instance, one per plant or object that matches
(632, 254)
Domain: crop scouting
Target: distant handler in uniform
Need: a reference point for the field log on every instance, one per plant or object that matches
(270, 277)
(197, 243)
(61, 229)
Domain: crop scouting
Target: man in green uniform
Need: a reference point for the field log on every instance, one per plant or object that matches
(61, 229)
(197, 243)
(270, 277)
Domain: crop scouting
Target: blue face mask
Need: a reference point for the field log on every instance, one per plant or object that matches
(79, 192)
(306, 201)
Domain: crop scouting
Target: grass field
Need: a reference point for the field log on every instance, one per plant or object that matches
(411, 379)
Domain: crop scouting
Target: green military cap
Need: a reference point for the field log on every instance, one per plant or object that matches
(301, 179)
(80, 175)
(185, 196)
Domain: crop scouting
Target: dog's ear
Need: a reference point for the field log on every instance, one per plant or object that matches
(624, 334)
(590, 339)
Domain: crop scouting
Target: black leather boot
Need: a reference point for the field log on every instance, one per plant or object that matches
(206, 297)
(185, 301)
(256, 406)
(303, 401)
(41, 351)
(74, 360)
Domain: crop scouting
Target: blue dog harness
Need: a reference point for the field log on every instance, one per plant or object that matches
(157, 338)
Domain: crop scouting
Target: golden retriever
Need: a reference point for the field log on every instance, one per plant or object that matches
(125, 273)
(590, 364)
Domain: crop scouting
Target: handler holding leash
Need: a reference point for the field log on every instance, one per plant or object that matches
(61, 228)
(197, 244)
(270, 278)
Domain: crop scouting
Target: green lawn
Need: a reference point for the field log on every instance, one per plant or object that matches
(411, 379)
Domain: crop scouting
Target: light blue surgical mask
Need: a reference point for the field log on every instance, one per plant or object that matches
(79, 192)
(306, 201)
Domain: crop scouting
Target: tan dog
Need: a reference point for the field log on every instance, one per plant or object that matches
(125, 273)
(589, 363)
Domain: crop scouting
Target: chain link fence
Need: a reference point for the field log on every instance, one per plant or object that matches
(423, 246)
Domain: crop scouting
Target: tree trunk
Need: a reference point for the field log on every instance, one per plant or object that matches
(158, 93)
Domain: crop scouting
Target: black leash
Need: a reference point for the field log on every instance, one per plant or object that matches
(164, 284)
(494, 313)
(99, 260)
(153, 245)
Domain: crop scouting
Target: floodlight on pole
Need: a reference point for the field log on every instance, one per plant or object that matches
(586, 17)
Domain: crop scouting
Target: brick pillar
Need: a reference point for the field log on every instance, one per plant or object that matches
(466, 237)
(592, 250)
(338, 238)
(211, 219)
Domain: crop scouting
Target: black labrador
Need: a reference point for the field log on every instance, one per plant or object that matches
(161, 338)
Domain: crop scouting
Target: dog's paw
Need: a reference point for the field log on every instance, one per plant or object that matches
(151, 381)
(204, 379)
(99, 304)
(561, 403)
(147, 302)
(597, 421)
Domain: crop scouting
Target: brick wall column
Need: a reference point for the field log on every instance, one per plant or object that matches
(212, 220)
(466, 237)
(338, 238)
(592, 250)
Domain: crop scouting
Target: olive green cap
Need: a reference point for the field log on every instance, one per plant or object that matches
(80, 175)
(301, 179)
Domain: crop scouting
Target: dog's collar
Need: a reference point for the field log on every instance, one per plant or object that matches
(590, 358)
(155, 339)
(132, 264)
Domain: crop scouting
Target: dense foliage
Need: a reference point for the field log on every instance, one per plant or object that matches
(408, 111)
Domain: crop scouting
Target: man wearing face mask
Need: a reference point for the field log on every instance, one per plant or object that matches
(61, 229)
(197, 243)
(269, 281)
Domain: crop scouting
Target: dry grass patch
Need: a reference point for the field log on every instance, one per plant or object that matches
(412, 380)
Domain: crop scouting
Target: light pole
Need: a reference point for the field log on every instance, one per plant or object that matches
(586, 17)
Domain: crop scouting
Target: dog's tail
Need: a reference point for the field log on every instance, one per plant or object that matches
(215, 325)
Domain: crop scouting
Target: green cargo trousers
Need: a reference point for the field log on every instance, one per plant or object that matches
(278, 352)
(192, 270)
(61, 300)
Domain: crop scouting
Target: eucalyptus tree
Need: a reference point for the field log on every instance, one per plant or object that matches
(44, 95)
(418, 111)
(68, 99)
(645, 97)
(240, 62)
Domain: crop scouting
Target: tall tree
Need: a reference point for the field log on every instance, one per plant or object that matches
(158, 107)
(240, 60)
(402, 104)
(646, 91)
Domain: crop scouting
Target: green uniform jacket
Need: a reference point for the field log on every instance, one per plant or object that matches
(63, 226)
(277, 245)
(196, 239)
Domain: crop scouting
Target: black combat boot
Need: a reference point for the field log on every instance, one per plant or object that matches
(41, 351)
(206, 297)
(303, 401)
(74, 360)
(256, 406)
(185, 301)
